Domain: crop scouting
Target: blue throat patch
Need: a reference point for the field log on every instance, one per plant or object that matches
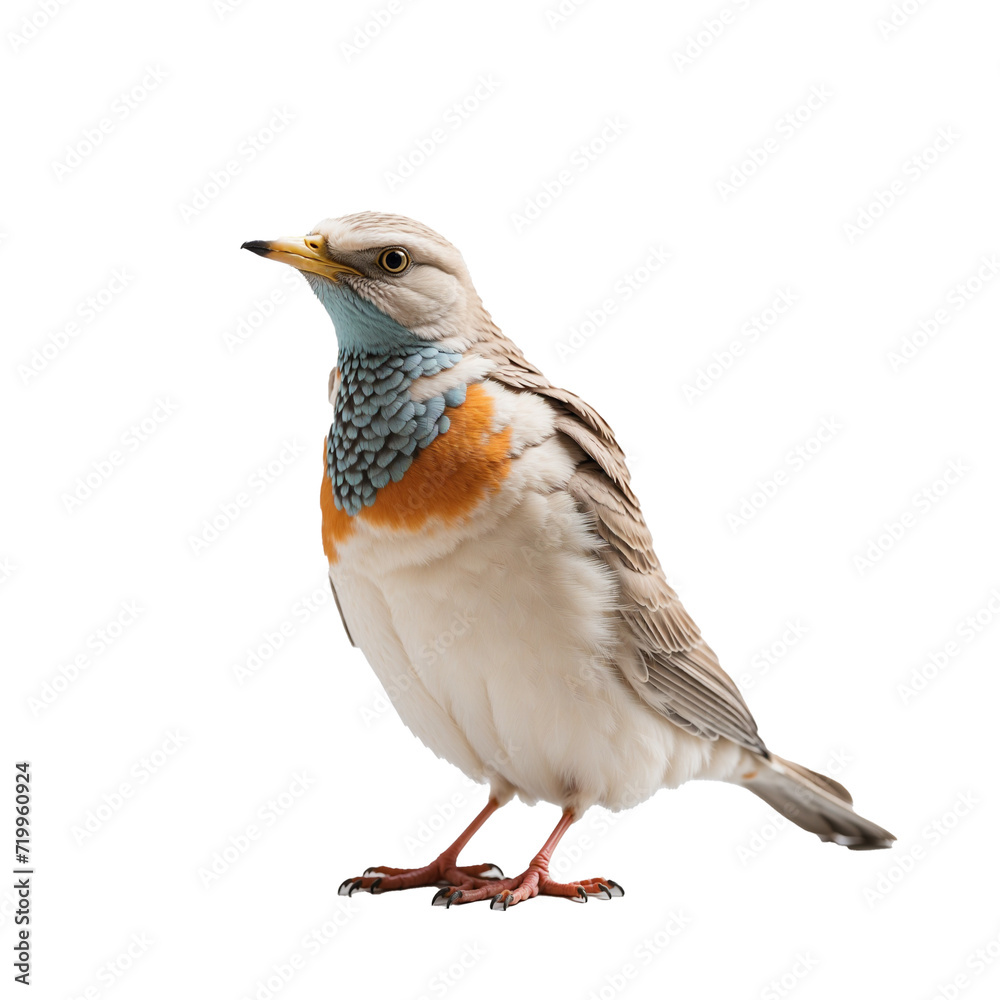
(378, 429)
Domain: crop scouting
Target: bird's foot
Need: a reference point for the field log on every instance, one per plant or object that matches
(535, 881)
(441, 871)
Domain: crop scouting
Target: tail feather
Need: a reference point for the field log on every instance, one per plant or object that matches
(815, 802)
(814, 776)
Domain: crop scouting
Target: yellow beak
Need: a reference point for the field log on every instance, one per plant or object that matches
(306, 254)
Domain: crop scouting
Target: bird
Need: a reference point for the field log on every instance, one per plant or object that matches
(489, 557)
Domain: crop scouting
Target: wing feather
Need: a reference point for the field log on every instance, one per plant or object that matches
(674, 671)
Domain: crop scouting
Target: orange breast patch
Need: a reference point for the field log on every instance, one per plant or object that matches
(447, 480)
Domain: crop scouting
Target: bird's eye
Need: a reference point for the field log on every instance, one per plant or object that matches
(394, 260)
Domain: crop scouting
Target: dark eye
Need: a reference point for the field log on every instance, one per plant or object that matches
(394, 260)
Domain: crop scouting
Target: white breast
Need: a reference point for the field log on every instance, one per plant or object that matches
(496, 642)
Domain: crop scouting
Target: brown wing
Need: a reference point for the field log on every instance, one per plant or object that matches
(676, 672)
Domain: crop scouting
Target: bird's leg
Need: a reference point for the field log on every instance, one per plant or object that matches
(534, 881)
(443, 870)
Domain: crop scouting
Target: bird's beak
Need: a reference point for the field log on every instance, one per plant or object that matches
(306, 254)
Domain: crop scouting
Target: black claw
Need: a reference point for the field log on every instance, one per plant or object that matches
(457, 894)
(372, 871)
(616, 889)
(493, 871)
(375, 885)
(499, 901)
(605, 892)
(355, 886)
(439, 896)
(343, 889)
(582, 893)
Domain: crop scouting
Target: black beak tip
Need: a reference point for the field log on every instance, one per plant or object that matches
(256, 246)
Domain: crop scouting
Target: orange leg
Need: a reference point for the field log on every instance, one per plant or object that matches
(443, 870)
(534, 881)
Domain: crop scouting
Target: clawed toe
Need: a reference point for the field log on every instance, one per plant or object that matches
(576, 892)
(607, 889)
(441, 872)
(378, 880)
(364, 884)
(478, 882)
(474, 874)
(446, 896)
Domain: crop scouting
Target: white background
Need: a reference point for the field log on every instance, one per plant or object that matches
(757, 910)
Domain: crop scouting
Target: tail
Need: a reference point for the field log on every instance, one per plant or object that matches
(813, 801)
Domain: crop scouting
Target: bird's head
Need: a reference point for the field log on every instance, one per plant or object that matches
(386, 281)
